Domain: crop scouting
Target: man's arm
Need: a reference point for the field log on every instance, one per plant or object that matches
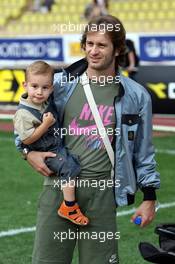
(35, 158)
(147, 178)
(48, 120)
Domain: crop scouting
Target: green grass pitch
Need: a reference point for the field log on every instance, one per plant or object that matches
(20, 187)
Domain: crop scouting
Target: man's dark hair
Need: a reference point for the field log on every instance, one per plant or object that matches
(115, 30)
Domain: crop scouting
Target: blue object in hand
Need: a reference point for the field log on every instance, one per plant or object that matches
(138, 220)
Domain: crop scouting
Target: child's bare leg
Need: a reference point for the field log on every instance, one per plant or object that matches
(69, 208)
(69, 193)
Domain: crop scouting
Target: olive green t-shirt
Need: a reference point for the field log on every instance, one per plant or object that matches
(82, 136)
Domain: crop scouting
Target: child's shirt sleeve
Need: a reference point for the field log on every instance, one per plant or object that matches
(25, 123)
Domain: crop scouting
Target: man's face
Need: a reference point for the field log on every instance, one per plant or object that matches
(99, 51)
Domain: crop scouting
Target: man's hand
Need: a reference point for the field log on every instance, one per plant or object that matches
(147, 212)
(48, 119)
(36, 160)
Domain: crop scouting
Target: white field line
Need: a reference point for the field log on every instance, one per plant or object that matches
(6, 116)
(155, 127)
(163, 128)
(22, 230)
(161, 151)
(13, 232)
(166, 151)
(131, 211)
(7, 139)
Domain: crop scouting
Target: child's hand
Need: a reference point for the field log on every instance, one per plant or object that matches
(48, 119)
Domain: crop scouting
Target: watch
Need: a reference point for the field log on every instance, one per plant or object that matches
(25, 152)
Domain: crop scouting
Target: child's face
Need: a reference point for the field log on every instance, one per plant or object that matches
(38, 87)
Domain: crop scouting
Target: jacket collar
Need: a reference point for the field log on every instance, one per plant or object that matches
(77, 68)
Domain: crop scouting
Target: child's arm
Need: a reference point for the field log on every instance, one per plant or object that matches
(48, 120)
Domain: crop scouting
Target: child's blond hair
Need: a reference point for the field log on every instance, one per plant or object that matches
(39, 67)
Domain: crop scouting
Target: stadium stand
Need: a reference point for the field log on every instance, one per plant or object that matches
(11, 9)
(138, 16)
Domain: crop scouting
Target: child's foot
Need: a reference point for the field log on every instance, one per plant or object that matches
(73, 214)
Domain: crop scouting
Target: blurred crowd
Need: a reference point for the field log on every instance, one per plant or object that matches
(96, 8)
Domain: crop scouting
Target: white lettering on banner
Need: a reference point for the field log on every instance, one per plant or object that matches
(153, 48)
(53, 49)
(31, 50)
(168, 48)
(171, 90)
(28, 49)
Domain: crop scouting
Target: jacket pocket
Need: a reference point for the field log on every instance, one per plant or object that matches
(130, 120)
(130, 124)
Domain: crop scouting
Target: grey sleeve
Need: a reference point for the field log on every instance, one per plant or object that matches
(144, 156)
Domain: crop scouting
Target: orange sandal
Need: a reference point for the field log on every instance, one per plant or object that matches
(73, 214)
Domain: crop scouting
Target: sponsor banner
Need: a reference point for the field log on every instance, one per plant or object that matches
(72, 48)
(160, 83)
(11, 85)
(157, 48)
(73, 51)
(158, 80)
(20, 49)
(66, 49)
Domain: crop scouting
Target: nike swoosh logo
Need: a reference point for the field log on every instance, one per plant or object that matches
(113, 259)
(84, 130)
